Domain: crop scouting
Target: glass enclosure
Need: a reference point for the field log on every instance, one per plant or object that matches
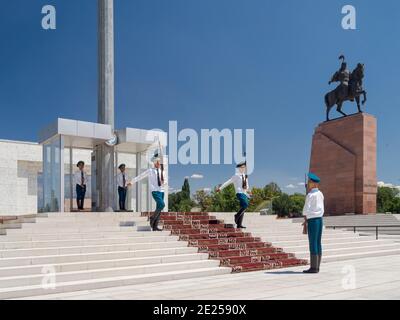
(59, 169)
(53, 178)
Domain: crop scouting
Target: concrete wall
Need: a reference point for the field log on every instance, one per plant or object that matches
(20, 163)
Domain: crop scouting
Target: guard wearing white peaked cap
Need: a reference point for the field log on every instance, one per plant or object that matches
(157, 182)
(241, 183)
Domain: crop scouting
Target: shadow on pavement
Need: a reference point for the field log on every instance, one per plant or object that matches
(285, 272)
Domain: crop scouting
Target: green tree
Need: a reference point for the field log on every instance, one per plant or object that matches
(204, 200)
(225, 201)
(387, 200)
(186, 189)
(181, 201)
(272, 190)
(281, 205)
(257, 198)
(297, 201)
(395, 206)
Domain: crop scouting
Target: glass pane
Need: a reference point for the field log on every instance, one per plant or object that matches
(51, 176)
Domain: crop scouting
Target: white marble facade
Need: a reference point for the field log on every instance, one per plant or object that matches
(20, 163)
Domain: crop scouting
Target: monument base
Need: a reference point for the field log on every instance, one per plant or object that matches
(343, 155)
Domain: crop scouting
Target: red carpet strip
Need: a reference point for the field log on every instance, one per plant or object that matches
(235, 248)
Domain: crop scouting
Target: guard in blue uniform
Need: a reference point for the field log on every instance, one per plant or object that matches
(241, 183)
(122, 181)
(313, 212)
(157, 181)
(80, 183)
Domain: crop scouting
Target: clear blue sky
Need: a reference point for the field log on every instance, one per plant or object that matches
(207, 64)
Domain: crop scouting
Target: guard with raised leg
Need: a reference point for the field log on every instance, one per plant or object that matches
(313, 213)
(241, 182)
(157, 183)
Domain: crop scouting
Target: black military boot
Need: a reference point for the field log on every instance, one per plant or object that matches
(155, 226)
(313, 264)
(236, 219)
(156, 221)
(239, 219)
(319, 261)
(151, 222)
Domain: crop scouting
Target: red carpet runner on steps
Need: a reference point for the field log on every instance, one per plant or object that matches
(234, 248)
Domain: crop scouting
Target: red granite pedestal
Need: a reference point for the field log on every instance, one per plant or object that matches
(343, 155)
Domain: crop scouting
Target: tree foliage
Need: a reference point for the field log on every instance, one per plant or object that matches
(226, 201)
(388, 200)
(181, 201)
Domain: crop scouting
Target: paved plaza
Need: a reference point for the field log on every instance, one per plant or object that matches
(369, 278)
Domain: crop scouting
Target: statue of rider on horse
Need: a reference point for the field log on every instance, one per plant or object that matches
(350, 88)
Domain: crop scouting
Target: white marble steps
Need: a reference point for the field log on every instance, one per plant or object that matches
(4, 245)
(115, 281)
(339, 244)
(14, 221)
(13, 253)
(352, 246)
(80, 275)
(297, 236)
(68, 258)
(340, 241)
(92, 250)
(338, 254)
(50, 236)
(70, 229)
(37, 268)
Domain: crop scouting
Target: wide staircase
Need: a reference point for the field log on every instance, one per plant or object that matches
(338, 244)
(234, 248)
(69, 252)
(388, 224)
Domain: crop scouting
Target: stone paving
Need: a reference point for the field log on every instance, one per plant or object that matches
(369, 278)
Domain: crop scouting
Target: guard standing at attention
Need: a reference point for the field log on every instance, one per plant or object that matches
(241, 183)
(122, 181)
(313, 212)
(80, 181)
(157, 182)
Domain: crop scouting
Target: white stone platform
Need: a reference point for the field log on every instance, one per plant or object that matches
(369, 278)
(339, 244)
(78, 251)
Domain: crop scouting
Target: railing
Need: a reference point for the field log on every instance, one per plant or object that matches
(376, 227)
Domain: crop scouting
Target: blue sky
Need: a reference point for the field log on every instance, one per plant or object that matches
(206, 64)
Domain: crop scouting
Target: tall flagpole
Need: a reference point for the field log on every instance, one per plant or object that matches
(104, 153)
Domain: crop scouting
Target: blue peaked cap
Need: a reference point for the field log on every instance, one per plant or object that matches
(313, 177)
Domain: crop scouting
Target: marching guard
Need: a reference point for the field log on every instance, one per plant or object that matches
(157, 182)
(241, 183)
(313, 212)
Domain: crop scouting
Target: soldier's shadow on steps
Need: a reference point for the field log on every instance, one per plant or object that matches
(284, 272)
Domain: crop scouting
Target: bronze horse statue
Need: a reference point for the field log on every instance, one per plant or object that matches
(350, 89)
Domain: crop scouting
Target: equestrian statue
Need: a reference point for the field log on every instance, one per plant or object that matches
(350, 88)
